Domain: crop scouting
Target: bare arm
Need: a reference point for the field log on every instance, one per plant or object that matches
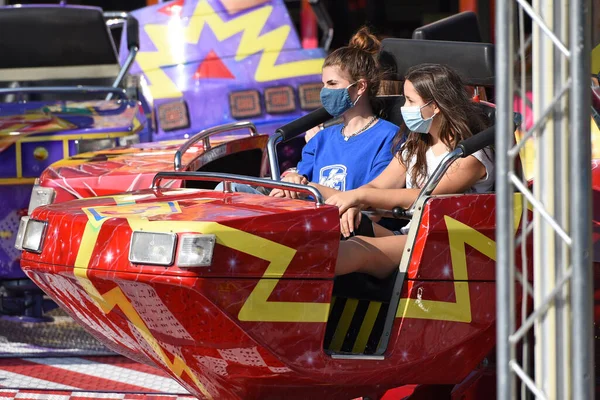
(326, 191)
(462, 175)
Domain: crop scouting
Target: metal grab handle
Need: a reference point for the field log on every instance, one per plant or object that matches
(66, 89)
(205, 134)
(120, 18)
(227, 178)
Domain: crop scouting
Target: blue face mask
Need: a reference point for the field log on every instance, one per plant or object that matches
(414, 119)
(337, 101)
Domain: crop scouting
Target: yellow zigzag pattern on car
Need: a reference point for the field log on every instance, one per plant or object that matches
(116, 298)
(250, 25)
(256, 307)
(459, 235)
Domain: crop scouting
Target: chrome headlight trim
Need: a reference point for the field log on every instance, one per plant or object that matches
(40, 196)
(21, 232)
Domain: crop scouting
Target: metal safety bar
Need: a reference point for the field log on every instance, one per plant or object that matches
(125, 68)
(115, 15)
(205, 136)
(228, 178)
(66, 89)
(113, 20)
(274, 140)
(431, 183)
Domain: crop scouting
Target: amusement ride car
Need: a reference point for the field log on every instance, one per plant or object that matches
(190, 65)
(234, 294)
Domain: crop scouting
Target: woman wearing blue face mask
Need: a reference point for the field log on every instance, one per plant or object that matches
(352, 153)
(438, 114)
(347, 155)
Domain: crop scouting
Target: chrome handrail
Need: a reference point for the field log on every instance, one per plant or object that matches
(205, 136)
(125, 68)
(121, 18)
(228, 178)
(66, 89)
(115, 14)
(274, 139)
(115, 19)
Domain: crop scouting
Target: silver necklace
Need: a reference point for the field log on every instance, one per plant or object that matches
(364, 128)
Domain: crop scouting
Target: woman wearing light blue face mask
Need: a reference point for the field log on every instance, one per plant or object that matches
(438, 114)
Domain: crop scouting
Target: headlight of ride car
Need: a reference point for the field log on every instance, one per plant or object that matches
(195, 250)
(40, 196)
(129, 140)
(87, 145)
(31, 235)
(152, 248)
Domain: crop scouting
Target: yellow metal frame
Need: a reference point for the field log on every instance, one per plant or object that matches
(19, 180)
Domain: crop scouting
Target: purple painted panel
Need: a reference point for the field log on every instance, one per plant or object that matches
(8, 167)
(38, 156)
(177, 22)
(202, 50)
(13, 200)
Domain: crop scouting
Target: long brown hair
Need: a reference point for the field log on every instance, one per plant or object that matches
(459, 115)
(360, 60)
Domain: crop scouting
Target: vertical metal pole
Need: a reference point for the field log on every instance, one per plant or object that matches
(544, 244)
(504, 200)
(581, 204)
(562, 196)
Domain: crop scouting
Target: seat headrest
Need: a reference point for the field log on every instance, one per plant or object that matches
(462, 27)
(390, 108)
(57, 42)
(473, 61)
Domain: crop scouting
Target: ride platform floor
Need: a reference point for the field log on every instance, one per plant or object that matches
(58, 360)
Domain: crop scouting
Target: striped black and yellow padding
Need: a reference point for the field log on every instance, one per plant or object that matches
(355, 325)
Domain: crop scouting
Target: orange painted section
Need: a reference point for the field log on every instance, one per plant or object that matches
(467, 5)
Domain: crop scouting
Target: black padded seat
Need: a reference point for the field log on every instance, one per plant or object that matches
(391, 108)
(49, 43)
(462, 27)
(473, 61)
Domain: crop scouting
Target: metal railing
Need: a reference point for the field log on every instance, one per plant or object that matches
(228, 178)
(205, 137)
(561, 321)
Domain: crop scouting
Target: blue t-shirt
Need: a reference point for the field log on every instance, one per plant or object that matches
(329, 160)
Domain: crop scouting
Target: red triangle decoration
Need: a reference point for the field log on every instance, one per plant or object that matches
(172, 9)
(213, 67)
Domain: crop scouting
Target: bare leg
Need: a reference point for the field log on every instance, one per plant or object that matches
(381, 231)
(377, 256)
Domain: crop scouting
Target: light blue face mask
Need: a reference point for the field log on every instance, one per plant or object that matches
(337, 101)
(414, 119)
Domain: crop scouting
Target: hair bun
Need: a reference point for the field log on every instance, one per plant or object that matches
(364, 40)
